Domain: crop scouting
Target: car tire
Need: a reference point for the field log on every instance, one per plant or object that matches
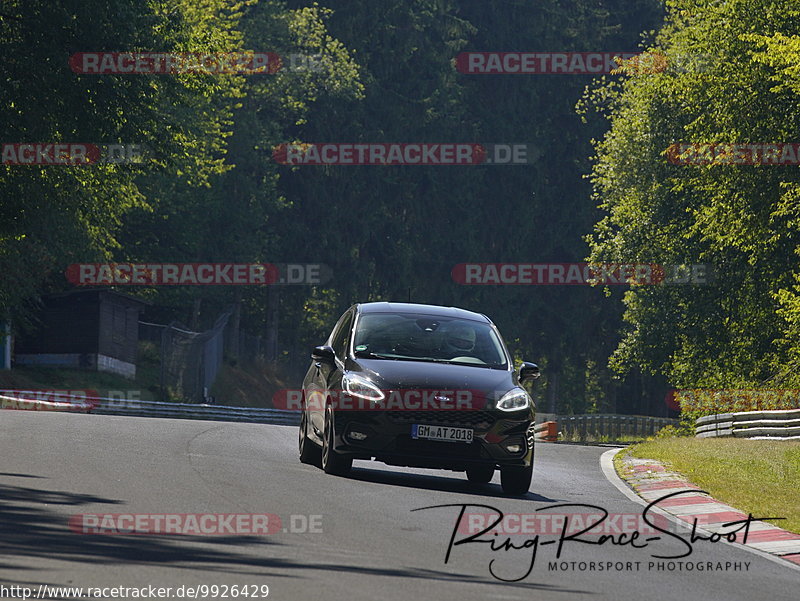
(516, 480)
(333, 462)
(480, 474)
(309, 451)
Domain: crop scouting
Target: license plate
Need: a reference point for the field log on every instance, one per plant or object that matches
(443, 433)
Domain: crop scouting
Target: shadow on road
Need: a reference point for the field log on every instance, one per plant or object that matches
(30, 528)
(34, 526)
(458, 485)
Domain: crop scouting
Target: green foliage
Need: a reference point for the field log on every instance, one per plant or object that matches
(211, 190)
(52, 216)
(673, 432)
(741, 330)
(700, 402)
(237, 217)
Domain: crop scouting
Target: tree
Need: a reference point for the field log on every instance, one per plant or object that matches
(738, 218)
(54, 215)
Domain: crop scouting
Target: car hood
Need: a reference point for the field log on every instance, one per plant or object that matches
(390, 374)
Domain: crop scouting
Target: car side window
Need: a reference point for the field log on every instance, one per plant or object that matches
(342, 336)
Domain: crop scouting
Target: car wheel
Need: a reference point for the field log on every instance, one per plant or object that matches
(516, 480)
(480, 474)
(309, 451)
(333, 462)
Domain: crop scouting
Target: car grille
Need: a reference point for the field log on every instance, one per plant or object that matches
(481, 420)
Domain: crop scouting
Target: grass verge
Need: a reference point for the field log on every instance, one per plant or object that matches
(759, 476)
(144, 387)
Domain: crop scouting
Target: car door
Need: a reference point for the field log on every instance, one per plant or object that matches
(324, 378)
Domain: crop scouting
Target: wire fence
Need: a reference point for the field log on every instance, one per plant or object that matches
(189, 360)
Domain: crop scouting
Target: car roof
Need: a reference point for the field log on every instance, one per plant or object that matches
(436, 310)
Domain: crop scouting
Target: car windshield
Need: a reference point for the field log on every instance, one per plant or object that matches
(419, 337)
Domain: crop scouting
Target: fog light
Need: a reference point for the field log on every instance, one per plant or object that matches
(357, 435)
(514, 445)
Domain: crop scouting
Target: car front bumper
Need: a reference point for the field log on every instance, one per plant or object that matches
(386, 436)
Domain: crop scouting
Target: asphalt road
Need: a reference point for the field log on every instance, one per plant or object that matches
(372, 546)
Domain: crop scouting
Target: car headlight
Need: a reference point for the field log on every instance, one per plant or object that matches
(514, 400)
(361, 388)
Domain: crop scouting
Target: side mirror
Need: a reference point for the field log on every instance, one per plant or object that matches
(323, 354)
(528, 372)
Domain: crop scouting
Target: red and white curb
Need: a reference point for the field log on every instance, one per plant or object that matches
(646, 480)
(7, 402)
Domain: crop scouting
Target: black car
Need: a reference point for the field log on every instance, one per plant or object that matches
(419, 386)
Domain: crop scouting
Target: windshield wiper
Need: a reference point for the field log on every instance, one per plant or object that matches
(371, 355)
(471, 364)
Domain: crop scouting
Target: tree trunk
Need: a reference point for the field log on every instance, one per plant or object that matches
(273, 300)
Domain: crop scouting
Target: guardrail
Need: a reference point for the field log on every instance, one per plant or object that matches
(189, 411)
(567, 427)
(611, 426)
(161, 409)
(781, 424)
